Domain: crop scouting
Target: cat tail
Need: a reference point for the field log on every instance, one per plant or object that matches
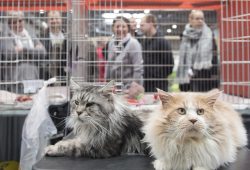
(132, 140)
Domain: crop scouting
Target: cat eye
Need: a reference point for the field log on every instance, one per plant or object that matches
(76, 102)
(181, 111)
(89, 104)
(200, 111)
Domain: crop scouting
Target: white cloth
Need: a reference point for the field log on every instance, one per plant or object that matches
(37, 129)
(56, 38)
(23, 39)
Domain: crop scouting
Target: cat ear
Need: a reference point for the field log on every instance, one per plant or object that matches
(165, 97)
(212, 96)
(108, 87)
(73, 85)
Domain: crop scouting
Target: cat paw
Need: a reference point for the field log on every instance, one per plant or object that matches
(200, 168)
(51, 150)
(159, 165)
(75, 152)
(63, 148)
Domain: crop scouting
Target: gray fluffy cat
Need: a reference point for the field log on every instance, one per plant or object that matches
(102, 125)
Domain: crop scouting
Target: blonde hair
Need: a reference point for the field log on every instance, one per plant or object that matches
(53, 12)
(193, 12)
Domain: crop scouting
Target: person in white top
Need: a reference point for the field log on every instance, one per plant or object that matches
(23, 39)
(23, 51)
(125, 63)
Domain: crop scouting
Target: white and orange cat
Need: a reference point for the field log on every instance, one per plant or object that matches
(194, 130)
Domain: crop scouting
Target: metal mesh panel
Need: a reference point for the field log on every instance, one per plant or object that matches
(87, 28)
(33, 47)
(98, 32)
(235, 65)
(89, 36)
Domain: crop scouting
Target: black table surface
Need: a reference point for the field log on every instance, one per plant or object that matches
(125, 162)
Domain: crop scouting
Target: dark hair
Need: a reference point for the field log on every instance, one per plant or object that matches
(121, 18)
(150, 18)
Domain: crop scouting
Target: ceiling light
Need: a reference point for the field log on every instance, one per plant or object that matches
(108, 15)
(169, 30)
(116, 11)
(41, 11)
(174, 26)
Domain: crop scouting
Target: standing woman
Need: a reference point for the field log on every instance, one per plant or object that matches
(125, 61)
(197, 58)
(23, 51)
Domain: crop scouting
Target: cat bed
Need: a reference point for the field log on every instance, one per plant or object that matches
(125, 162)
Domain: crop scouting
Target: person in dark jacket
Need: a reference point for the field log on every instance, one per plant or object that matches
(157, 55)
(56, 45)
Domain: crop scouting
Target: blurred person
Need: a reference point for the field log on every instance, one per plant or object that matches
(196, 59)
(56, 46)
(133, 28)
(101, 59)
(125, 61)
(157, 56)
(2, 65)
(22, 49)
(84, 54)
(92, 59)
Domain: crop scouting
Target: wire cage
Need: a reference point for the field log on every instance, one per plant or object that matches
(99, 16)
(69, 39)
(235, 65)
(78, 51)
(33, 47)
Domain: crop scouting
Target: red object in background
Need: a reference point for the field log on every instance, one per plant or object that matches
(132, 101)
(235, 47)
(34, 5)
(65, 5)
(156, 96)
(23, 98)
(101, 63)
(155, 4)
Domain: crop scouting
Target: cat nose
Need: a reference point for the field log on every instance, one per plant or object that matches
(193, 120)
(78, 113)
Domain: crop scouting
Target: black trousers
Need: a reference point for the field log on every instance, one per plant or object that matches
(202, 81)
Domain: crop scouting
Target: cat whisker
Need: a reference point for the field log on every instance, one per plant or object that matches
(210, 133)
(93, 122)
(179, 136)
(96, 127)
(60, 123)
(58, 117)
(103, 128)
(79, 130)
